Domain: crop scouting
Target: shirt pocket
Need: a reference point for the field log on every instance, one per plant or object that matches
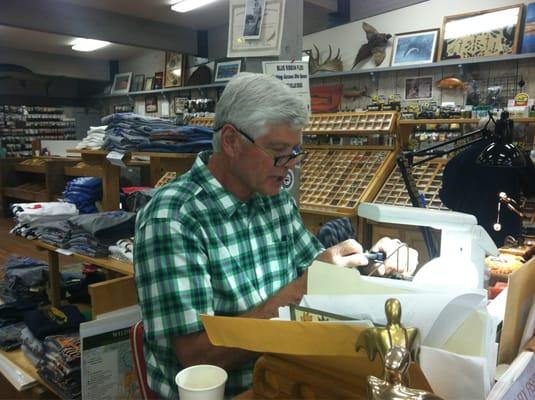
(274, 269)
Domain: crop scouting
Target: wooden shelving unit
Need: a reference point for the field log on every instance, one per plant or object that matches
(351, 123)
(32, 180)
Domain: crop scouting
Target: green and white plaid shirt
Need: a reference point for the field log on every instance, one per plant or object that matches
(200, 250)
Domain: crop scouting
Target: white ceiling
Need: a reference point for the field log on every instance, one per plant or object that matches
(210, 16)
(25, 39)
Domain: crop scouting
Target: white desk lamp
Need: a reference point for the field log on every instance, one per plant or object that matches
(463, 244)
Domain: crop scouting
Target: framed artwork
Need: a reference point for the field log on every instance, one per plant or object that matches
(528, 40)
(225, 70)
(137, 84)
(483, 33)
(419, 88)
(148, 83)
(121, 83)
(175, 64)
(151, 104)
(415, 47)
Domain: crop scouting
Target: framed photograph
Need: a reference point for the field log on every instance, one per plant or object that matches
(151, 104)
(254, 12)
(175, 64)
(528, 40)
(419, 88)
(225, 70)
(483, 33)
(137, 84)
(148, 83)
(121, 83)
(415, 47)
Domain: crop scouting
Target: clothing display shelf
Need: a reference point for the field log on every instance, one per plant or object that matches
(20, 125)
(32, 179)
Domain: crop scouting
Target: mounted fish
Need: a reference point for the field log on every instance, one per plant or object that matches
(329, 65)
(374, 48)
(451, 83)
(355, 92)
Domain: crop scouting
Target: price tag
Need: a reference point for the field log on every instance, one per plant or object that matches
(65, 252)
(116, 158)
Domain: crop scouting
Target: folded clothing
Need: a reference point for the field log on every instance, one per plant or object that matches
(53, 320)
(10, 336)
(36, 213)
(107, 227)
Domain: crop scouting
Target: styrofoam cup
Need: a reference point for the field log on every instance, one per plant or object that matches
(206, 382)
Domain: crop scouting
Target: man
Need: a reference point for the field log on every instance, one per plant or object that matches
(224, 238)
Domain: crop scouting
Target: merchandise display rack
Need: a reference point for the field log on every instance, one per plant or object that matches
(207, 122)
(335, 179)
(20, 125)
(428, 179)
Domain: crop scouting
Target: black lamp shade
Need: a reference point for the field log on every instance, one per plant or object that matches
(501, 155)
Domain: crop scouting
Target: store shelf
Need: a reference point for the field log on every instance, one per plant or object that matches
(438, 64)
(28, 191)
(438, 121)
(83, 171)
(351, 123)
(35, 169)
(165, 90)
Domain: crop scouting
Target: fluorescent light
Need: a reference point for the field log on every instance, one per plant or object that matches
(88, 44)
(188, 5)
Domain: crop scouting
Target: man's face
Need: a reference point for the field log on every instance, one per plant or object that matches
(255, 163)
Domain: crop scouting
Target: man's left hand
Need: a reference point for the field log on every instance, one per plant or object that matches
(404, 262)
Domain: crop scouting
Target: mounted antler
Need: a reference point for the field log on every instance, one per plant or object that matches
(329, 65)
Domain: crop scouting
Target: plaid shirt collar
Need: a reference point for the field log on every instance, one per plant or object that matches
(225, 200)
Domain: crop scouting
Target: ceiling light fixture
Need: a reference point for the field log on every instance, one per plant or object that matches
(188, 5)
(81, 44)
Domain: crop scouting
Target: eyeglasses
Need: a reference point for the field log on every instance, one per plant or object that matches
(278, 161)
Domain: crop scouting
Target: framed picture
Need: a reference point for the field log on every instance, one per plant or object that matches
(175, 64)
(225, 70)
(528, 40)
(121, 83)
(137, 84)
(180, 105)
(483, 33)
(254, 12)
(148, 83)
(415, 47)
(419, 88)
(151, 104)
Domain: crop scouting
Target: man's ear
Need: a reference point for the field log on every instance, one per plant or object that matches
(230, 142)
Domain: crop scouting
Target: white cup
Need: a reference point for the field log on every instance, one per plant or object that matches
(201, 382)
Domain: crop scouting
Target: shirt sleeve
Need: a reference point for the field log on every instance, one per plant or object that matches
(172, 278)
(306, 247)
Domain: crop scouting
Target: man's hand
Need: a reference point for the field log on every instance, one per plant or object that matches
(400, 259)
(346, 254)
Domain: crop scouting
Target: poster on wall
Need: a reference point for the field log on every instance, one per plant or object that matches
(294, 74)
(270, 35)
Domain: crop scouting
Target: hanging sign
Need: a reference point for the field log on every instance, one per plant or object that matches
(294, 74)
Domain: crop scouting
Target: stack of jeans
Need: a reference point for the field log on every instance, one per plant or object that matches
(183, 139)
(24, 275)
(84, 192)
(91, 234)
(60, 365)
(127, 131)
(32, 347)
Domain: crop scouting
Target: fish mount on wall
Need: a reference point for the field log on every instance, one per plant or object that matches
(375, 46)
(329, 65)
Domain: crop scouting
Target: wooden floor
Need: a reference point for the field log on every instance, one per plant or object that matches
(10, 244)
